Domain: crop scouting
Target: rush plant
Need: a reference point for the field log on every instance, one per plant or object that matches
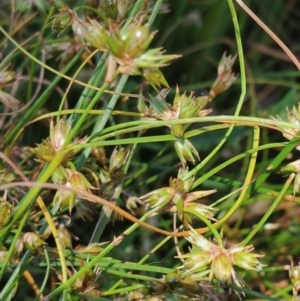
(118, 182)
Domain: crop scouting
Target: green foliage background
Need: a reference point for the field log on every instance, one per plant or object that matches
(201, 31)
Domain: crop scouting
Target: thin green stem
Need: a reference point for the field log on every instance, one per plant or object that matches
(208, 224)
(47, 273)
(88, 93)
(84, 116)
(270, 210)
(155, 11)
(242, 96)
(12, 248)
(236, 120)
(31, 195)
(17, 273)
(105, 214)
(152, 251)
(240, 56)
(95, 260)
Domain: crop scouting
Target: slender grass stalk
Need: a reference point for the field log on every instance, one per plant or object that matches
(242, 95)
(60, 249)
(47, 273)
(270, 210)
(105, 216)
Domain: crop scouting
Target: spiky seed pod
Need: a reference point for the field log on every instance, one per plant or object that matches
(46, 151)
(5, 212)
(60, 176)
(99, 154)
(220, 262)
(293, 167)
(225, 76)
(62, 20)
(222, 269)
(64, 236)
(158, 198)
(186, 151)
(33, 241)
(78, 181)
(93, 32)
(155, 78)
(293, 117)
(118, 159)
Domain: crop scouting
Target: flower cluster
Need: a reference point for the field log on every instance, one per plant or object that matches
(126, 45)
(32, 241)
(111, 175)
(187, 106)
(46, 151)
(207, 257)
(183, 107)
(225, 76)
(177, 198)
(68, 178)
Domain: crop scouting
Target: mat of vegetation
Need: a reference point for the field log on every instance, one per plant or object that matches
(149, 150)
